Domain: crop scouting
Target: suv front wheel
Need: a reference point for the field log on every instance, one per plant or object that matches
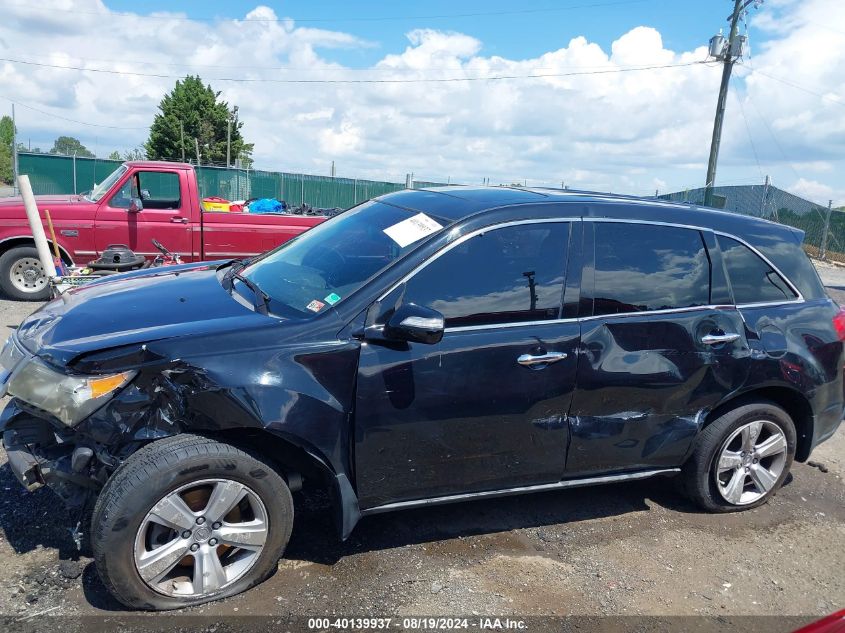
(741, 458)
(186, 520)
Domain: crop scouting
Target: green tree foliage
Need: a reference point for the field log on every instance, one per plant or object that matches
(7, 137)
(68, 146)
(115, 155)
(203, 117)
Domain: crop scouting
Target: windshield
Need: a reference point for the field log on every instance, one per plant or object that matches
(328, 263)
(100, 190)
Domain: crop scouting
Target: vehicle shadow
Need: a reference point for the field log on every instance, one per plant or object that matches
(315, 539)
(32, 519)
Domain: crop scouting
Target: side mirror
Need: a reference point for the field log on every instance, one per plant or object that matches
(135, 205)
(416, 324)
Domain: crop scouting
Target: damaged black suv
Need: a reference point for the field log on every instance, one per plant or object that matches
(428, 346)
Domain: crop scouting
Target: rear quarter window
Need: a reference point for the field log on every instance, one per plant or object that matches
(752, 279)
(793, 262)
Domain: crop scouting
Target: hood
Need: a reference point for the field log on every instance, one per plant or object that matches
(135, 308)
(49, 202)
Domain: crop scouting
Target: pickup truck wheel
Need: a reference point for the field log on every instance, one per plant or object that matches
(186, 520)
(741, 459)
(22, 275)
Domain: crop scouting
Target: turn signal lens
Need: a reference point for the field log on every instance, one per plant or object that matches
(102, 386)
(839, 324)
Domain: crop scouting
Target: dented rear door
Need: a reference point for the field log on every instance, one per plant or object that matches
(661, 345)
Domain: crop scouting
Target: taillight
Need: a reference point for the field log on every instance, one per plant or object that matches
(839, 324)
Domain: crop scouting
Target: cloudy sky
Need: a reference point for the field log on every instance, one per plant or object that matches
(579, 105)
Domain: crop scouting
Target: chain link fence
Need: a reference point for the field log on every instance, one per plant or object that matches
(824, 229)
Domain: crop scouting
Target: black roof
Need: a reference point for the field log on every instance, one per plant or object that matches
(456, 203)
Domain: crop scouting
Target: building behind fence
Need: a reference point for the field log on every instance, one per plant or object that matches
(52, 174)
(824, 229)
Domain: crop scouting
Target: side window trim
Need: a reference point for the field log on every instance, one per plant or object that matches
(799, 298)
(486, 229)
(587, 262)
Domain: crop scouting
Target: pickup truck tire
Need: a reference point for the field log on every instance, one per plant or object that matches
(22, 276)
(167, 523)
(741, 458)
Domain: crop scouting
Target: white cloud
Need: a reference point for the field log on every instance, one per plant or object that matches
(623, 131)
(812, 189)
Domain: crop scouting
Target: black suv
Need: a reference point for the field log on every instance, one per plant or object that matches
(429, 346)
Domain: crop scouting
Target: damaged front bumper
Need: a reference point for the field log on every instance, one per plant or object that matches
(42, 453)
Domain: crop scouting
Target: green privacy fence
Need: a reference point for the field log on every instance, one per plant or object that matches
(52, 174)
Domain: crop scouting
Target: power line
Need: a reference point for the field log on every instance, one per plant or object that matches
(64, 118)
(748, 130)
(362, 81)
(387, 18)
(832, 98)
(334, 68)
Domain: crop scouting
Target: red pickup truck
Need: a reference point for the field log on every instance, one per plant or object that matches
(139, 201)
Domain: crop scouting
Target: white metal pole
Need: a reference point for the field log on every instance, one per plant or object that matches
(36, 225)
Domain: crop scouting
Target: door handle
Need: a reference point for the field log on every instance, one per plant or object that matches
(718, 339)
(178, 219)
(528, 360)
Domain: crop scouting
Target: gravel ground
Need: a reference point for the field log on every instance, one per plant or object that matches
(629, 549)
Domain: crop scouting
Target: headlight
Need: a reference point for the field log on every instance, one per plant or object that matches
(69, 398)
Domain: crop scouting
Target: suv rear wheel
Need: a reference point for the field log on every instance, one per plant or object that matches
(186, 520)
(742, 458)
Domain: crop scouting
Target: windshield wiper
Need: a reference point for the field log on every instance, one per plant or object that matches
(262, 299)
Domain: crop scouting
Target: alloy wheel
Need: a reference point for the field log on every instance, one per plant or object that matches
(201, 538)
(750, 462)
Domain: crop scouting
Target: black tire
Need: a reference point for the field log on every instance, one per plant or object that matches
(8, 260)
(698, 473)
(155, 471)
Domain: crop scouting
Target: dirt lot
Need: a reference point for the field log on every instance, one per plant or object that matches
(636, 548)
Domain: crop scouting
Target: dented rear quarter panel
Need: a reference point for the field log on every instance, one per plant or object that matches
(795, 346)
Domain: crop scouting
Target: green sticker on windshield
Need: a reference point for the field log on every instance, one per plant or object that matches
(332, 299)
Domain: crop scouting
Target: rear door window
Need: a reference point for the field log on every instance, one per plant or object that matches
(643, 267)
(752, 279)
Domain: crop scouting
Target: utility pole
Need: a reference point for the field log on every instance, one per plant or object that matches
(182, 139)
(728, 52)
(232, 118)
(197, 147)
(823, 249)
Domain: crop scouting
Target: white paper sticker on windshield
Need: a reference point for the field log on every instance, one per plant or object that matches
(413, 229)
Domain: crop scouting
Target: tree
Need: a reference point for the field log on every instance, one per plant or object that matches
(204, 120)
(68, 146)
(7, 137)
(115, 155)
(138, 153)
